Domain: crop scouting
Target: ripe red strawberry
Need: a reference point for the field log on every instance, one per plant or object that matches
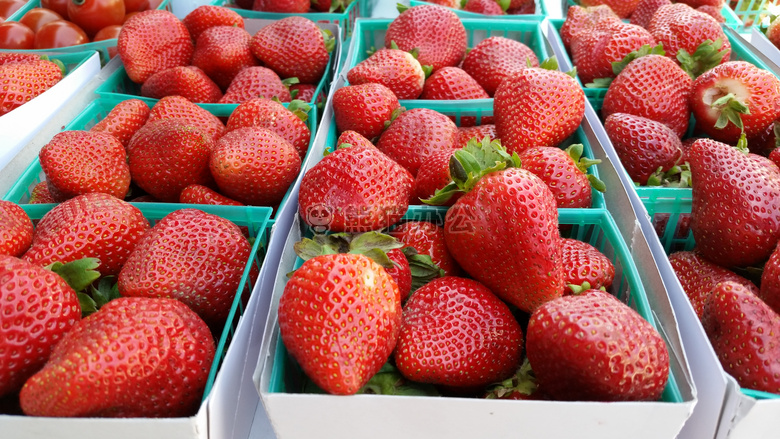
(428, 239)
(397, 70)
(88, 226)
(773, 32)
(744, 332)
(645, 10)
(584, 263)
(582, 19)
(256, 82)
(151, 41)
(177, 107)
(305, 93)
(38, 308)
(289, 123)
(254, 165)
(625, 360)
(222, 51)
(698, 277)
(436, 32)
(454, 4)
(415, 135)
(314, 323)
(294, 47)
(537, 107)
(189, 82)
(494, 59)
(467, 346)
(177, 351)
(735, 91)
(187, 244)
(775, 156)
(165, 156)
(199, 194)
(15, 57)
(206, 16)
(623, 8)
(433, 175)
(607, 42)
(24, 81)
(284, 6)
(728, 180)
(364, 108)
(565, 173)
(352, 138)
(124, 120)
(80, 162)
(330, 5)
(487, 7)
(478, 132)
(16, 229)
(697, 3)
(354, 189)
(453, 83)
(712, 11)
(643, 146)
(770, 281)
(652, 86)
(40, 194)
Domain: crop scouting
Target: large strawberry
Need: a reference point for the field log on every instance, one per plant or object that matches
(581, 19)
(254, 165)
(175, 353)
(340, 328)
(40, 194)
(289, 123)
(496, 58)
(177, 107)
(88, 226)
(283, 6)
(124, 120)
(16, 229)
(294, 47)
(199, 194)
(189, 82)
(428, 239)
(645, 10)
(607, 42)
(397, 70)
(477, 132)
(80, 162)
(256, 82)
(38, 308)
(733, 98)
(354, 189)
(364, 108)
(467, 346)
(565, 173)
(725, 179)
(593, 347)
(433, 175)
(206, 16)
(453, 83)
(436, 32)
(486, 7)
(151, 41)
(537, 107)
(584, 263)
(623, 8)
(222, 51)
(770, 281)
(23, 81)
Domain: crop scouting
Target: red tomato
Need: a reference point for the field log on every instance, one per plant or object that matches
(8, 7)
(15, 35)
(107, 33)
(37, 17)
(59, 34)
(93, 15)
(58, 6)
(141, 5)
(128, 16)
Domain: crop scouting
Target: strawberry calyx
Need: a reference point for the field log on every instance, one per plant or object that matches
(422, 267)
(330, 41)
(504, 4)
(577, 290)
(618, 66)
(59, 64)
(678, 176)
(287, 82)
(81, 275)
(415, 52)
(374, 245)
(522, 385)
(551, 63)
(706, 56)
(401, 7)
(730, 109)
(300, 109)
(393, 116)
(583, 163)
(389, 381)
(742, 144)
(470, 164)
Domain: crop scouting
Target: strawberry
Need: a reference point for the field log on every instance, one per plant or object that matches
(189, 82)
(206, 16)
(124, 120)
(88, 226)
(736, 92)
(607, 42)
(623, 8)
(582, 19)
(254, 165)
(199, 194)
(176, 351)
(354, 189)
(583, 263)
(256, 82)
(727, 180)
(652, 86)
(16, 229)
(340, 329)
(436, 32)
(495, 59)
(415, 135)
(744, 332)
(15, 57)
(151, 41)
(565, 173)
(775, 156)
(80, 162)
(38, 308)
(330, 5)
(453, 83)
(537, 107)
(177, 107)
(773, 32)
(433, 175)
(305, 93)
(624, 360)
(521, 386)
(645, 10)
(289, 123)
(364, 108)
(284, 6)
(644, 146)
(698, 277)
(712, 11)
(189, 244)
(22, 81)
(350, 137)
(478, 132)
(40, 194)
(454, 4)
(770, 281)
(397, 70)
(427, 239)
(165, 156)
(486, 7)
(222, 51)
(294, 47)
(697, 3)
(470, 345)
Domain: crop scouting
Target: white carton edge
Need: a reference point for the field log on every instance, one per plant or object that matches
(764, 48)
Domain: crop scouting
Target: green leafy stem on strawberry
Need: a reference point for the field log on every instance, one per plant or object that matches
(583, 163)
(81, 275)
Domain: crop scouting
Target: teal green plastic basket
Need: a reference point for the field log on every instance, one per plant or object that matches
(21, 190)
(539, 13)
(255, 219)
(749, 12)
(595, 227)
